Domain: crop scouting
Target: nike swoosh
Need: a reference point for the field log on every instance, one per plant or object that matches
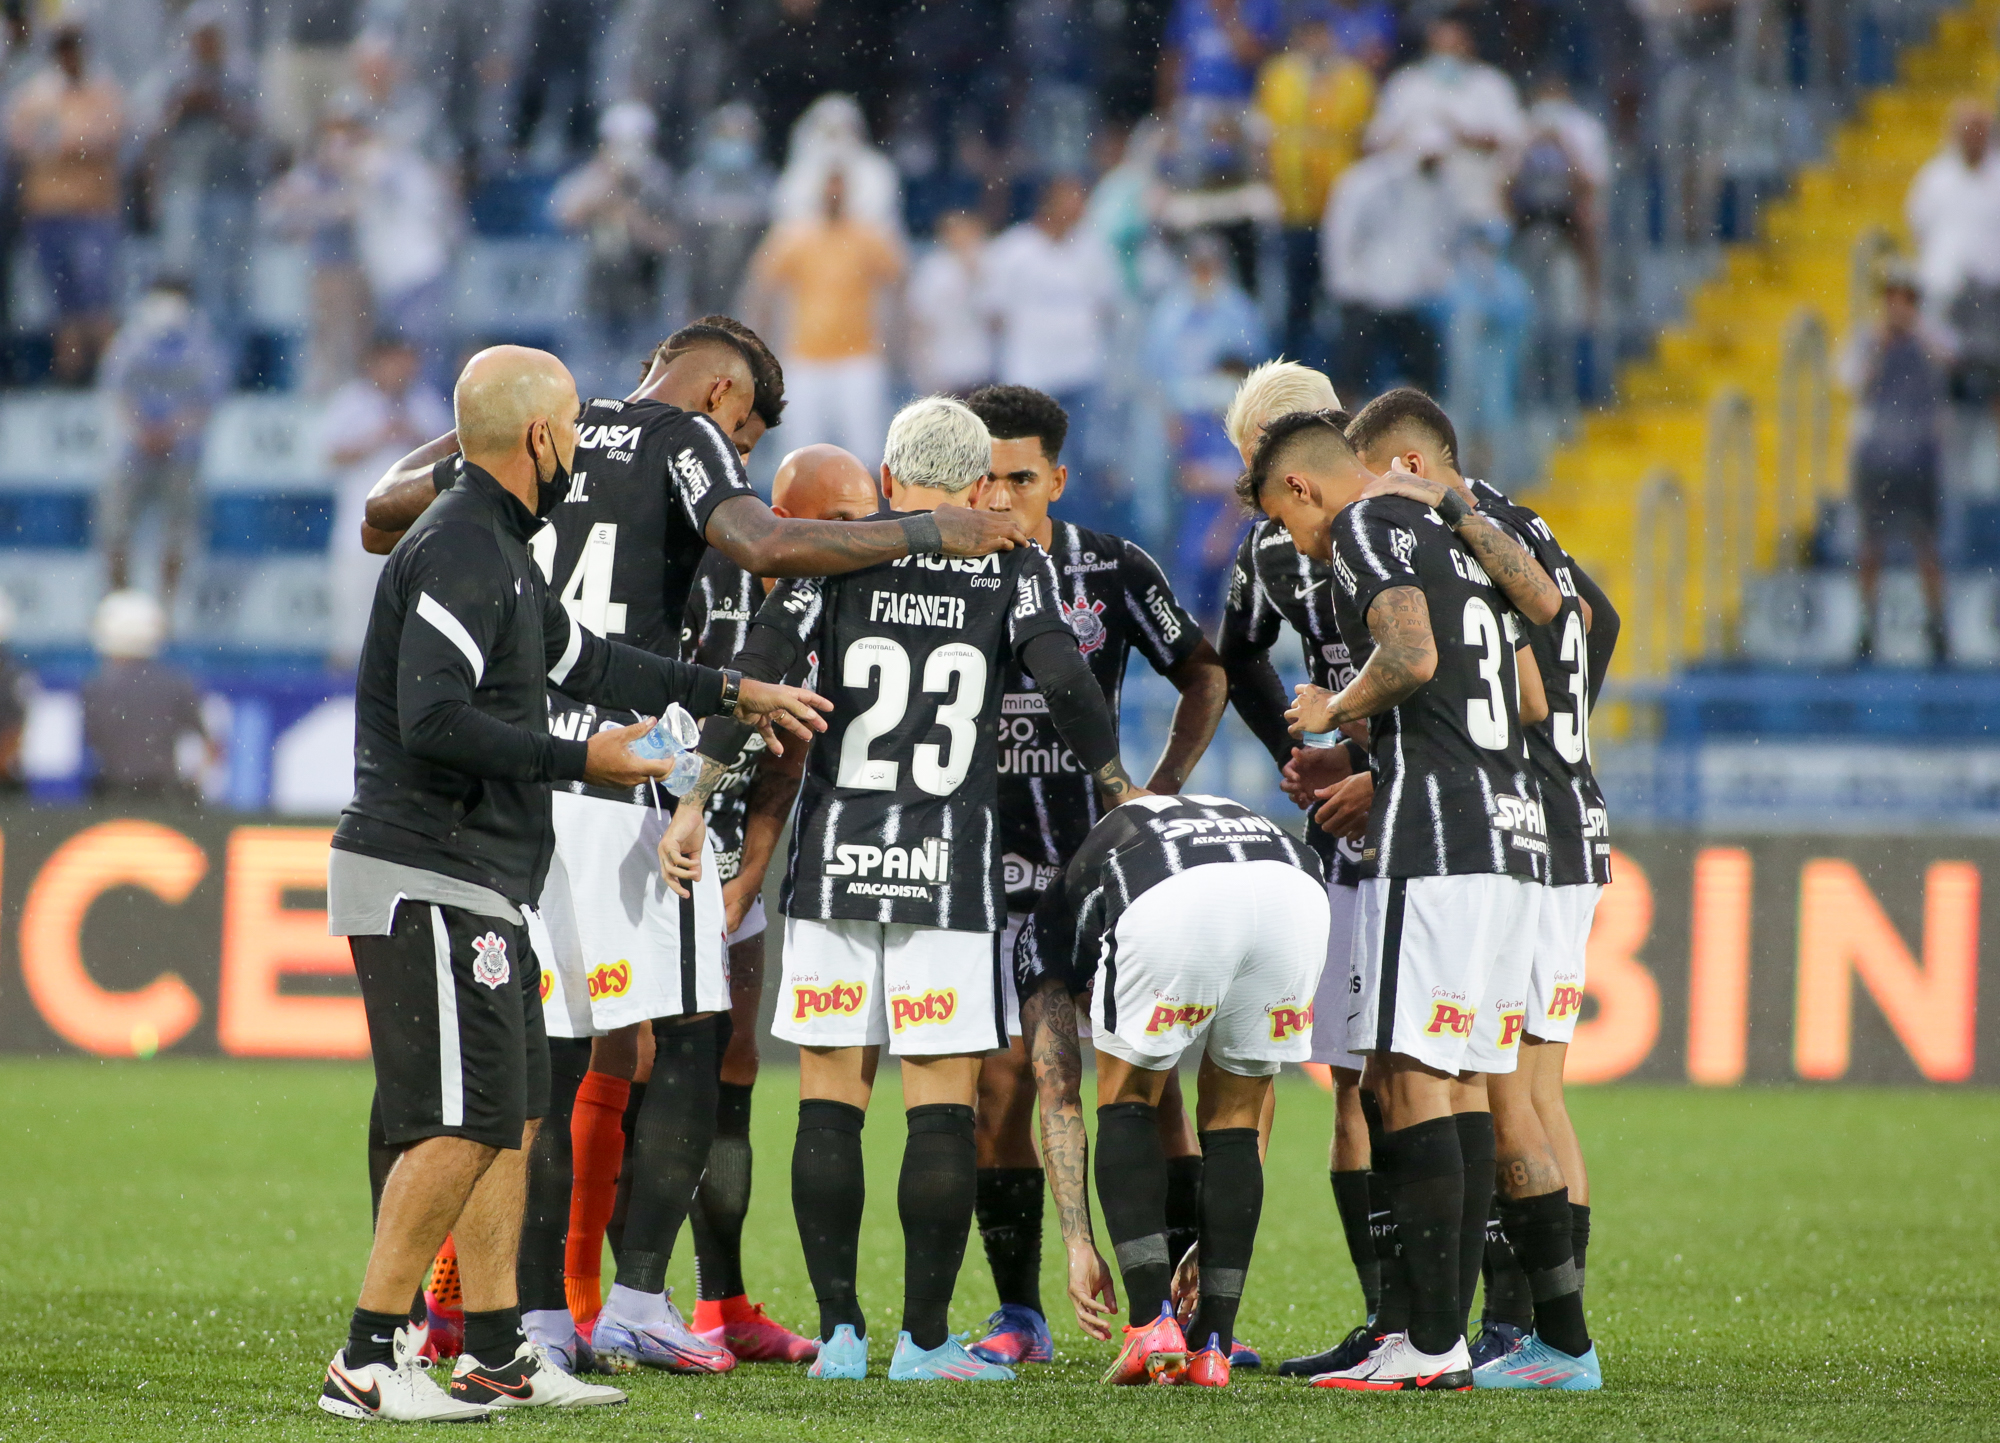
(1423, 1382)
(1305, 591)
(369, 1397)
(523, 1389)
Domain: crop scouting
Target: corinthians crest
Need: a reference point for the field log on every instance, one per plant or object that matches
(1086, 619)
(490, 965)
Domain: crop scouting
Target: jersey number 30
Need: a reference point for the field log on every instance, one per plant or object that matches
(870, 657)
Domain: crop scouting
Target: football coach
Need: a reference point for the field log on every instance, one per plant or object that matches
(447, 839)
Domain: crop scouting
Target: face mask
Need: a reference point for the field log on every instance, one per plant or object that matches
(550, 492)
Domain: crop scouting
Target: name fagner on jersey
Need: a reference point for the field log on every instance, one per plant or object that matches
(1454, 792)
(896, 818)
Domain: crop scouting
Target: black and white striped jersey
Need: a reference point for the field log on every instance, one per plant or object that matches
(1116, 599)
(1559, 748)
(897, 817)
(621, 548)
(1274, 583)
(1454, 790)
(1135, 848)
(720, 607)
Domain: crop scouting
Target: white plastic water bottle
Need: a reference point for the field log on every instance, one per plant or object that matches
(673, 735)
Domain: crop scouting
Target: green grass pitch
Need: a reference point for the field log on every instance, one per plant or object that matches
(180, 1243)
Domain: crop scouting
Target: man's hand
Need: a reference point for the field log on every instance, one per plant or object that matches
(1312, 711)
(680, 847)
(1397, 481)
(975, 533)
(1347, 804)
(1312, 768)
(611, 762)
(1185, 1291)
(738, 893)
(1090, 1289)
(767, 706)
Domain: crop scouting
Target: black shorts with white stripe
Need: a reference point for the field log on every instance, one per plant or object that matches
(455, 1024)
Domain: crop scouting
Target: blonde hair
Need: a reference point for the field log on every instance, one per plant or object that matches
(938, 443)
(1274, 389)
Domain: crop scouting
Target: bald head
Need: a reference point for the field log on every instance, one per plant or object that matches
(823, 483)
(503, 392)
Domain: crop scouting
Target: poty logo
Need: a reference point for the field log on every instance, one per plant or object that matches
(916, 1011)
(548, 983)
(609, 979)
(1166, 1017)
(1511, 1024)
(1567, 1000)
(842, 999)
(490, 960)
(1290, 1021)
(1447, 1018)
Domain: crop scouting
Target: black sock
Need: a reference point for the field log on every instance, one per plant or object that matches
(538, 1270)
(1232, 1199)
(371, 1338)
(1350, 1200)
(1183, 1206)
(935, 1197)
(1540, 1229)
(1475, 1144)
(829, 1187)
(723, 1200)
(1392, 1315)
(614, 1227)
(1132, 1190)
(1579, 1237)
(1428, 1194)
(1507, 1297)
(1010, 1226)
(491, 1338)
(669, 1151)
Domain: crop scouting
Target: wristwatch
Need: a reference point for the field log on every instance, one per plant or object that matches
(732, 687)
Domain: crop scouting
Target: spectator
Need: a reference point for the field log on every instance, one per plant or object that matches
(1212, 50)
(315, 202)
(163, 374)
(17, 694)
(1386, 251)
(622, 200)
(725, 204)
(831, 274)
(951, 348)
(65, 130)
(552, 81)
(308, 67)
(1490, 309)
(1557, 203)
(142, 718)
(201, 134)
(406, 227)
(1314, 103)
(798, 54)
(1051, 45)
(672, 56)
(367, 424)
(1896, 372)
(833, 136)
(1476, 104)
(1052, 290)
(1954, 215)
(1364, 29)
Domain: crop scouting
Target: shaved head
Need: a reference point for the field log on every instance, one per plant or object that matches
(823, 483)
(503, 392)
(709, 373)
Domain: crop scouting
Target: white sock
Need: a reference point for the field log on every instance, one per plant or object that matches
(548, 1325)
(629, 1305)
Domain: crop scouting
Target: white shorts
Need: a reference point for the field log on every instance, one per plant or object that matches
(1555, 987)
(1227, 953)
(925, 991)
(1010, 993)
(1440, 969)
(624, 942)
(1336, 982)
(754, 923)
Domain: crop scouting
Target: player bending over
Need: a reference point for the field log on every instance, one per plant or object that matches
(1202, 925)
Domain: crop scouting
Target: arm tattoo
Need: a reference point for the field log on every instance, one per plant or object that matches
(1404, 658)
(1513, 568)
(712, 773)
(1113, 782)
(1048, 1017)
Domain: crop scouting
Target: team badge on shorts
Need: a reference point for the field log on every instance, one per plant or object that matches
(490, 960)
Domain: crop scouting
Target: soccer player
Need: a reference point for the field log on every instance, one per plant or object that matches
(436, 857)
(746, 815)
(1455, 843)
(1211, 925)
(1540, 1211)
(895, 891)
(1116, 599)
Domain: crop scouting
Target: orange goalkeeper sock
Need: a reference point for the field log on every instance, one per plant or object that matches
(597, 1148)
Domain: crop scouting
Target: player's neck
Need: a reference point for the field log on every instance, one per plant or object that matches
(1045, 534)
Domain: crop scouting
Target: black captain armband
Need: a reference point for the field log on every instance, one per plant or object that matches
(1451, 506)
(921, 535)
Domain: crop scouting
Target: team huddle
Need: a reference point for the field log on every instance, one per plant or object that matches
(603, 677)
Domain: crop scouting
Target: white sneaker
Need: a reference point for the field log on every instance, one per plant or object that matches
(401, 1392)
(529, 1381)
(1397, 1366)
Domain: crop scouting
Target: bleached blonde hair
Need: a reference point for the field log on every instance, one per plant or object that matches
(939, 444)
(1274, 389)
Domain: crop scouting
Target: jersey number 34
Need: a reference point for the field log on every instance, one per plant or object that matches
(938, 770)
